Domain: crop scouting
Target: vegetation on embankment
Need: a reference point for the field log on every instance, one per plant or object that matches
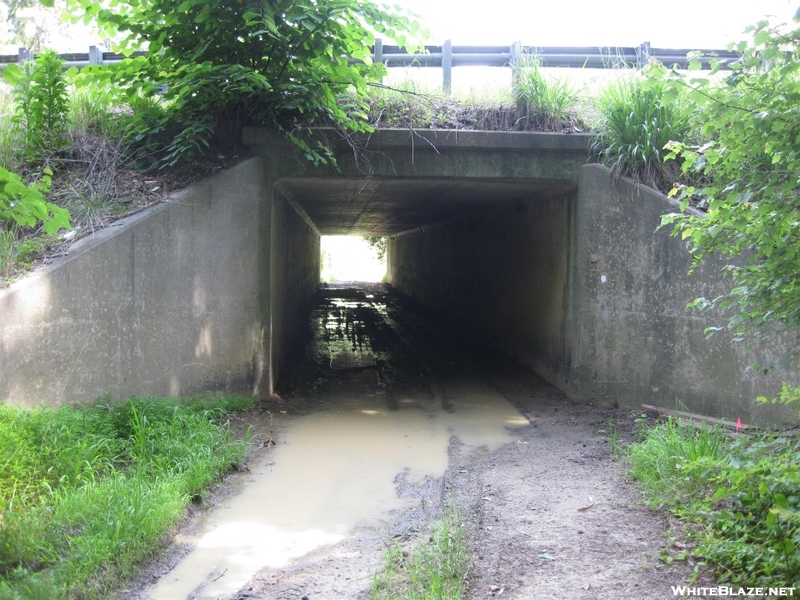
(88, 493)
(739, 498)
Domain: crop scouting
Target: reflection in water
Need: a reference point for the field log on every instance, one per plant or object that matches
(337, 469)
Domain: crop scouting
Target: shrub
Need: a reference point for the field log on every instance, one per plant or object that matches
(26, 206)
(748, 159)
(218, 65)
(742, 495)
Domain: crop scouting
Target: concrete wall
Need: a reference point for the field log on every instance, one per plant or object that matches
(631, 338)
(209, 291)
(502, 271)
(165, 302)
(295, 274)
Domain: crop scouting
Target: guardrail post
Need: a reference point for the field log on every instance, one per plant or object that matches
(643, 55)
(447, 66)
(377, 55)
(514, 61)
(95, 55)
(25, 55)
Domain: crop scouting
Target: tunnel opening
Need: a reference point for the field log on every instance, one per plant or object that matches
(488, 256)
(352, 258)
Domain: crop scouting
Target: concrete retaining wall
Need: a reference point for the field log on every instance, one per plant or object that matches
(210, 290)
(165, 302)
(631, 338)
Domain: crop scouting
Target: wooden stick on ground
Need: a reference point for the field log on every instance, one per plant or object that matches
(695, 419)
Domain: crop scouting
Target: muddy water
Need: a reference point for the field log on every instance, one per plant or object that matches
(380, 416)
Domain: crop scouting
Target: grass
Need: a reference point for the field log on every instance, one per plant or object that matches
(548, 101)
(634, 125)
(95, 111)
(6, 132)
(660, 460)
(739, 497)
(407, 105)
(87, 493)
(6, 140)
(7, 251)
(614, 442)
(435, 570)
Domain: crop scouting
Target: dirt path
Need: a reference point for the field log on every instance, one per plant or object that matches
(553, 515)
(549, 511)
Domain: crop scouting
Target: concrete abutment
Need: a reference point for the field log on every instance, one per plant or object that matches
(511, 235)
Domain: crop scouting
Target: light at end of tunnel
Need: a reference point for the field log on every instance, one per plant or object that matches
(351, 258)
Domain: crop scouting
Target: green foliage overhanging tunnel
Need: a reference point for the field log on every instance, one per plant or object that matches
(218, 64)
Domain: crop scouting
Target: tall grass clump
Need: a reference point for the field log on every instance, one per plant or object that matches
(435, 570)
(548, 101)
(88, 493)
(636, 121)
(95, 110)
(659, 461)
(740, 496)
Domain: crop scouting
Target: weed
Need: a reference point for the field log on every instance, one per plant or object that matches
(95, 111)
(432, 571)
(660, 460)
(87, 493)
(90, 202)
(6, 136)
(635, 124)
(16, 253)
(743, 495)
(549, 101)
(40, 92)
(8, 243)
(614, 443)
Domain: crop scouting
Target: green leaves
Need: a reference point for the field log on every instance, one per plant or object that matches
(40, 94)
(26, 205)
(282, 63)
(745, 167)
(743, 493)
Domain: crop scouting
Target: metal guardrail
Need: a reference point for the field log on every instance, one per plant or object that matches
(448, 56)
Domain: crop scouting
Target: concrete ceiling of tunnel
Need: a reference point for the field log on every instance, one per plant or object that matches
(389, 206)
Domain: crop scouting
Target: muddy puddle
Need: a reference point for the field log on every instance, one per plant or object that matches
(374, 432)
